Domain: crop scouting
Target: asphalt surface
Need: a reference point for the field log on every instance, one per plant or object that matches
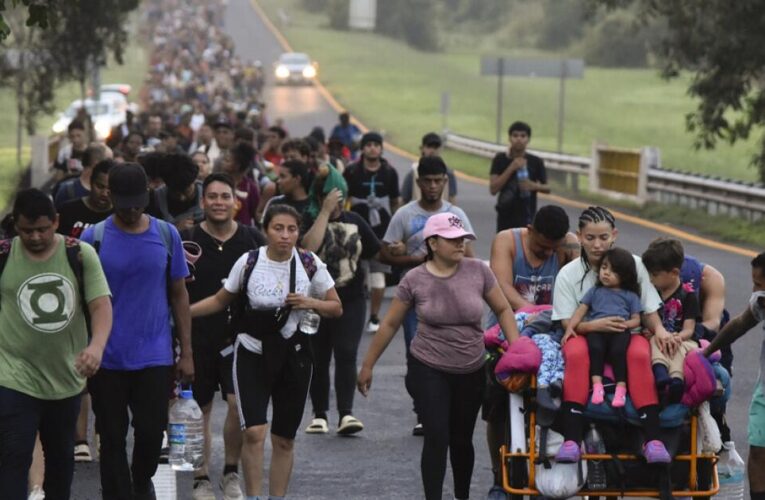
(383, 461)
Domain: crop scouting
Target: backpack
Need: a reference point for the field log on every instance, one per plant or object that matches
(73, 256)
(165, 233)
(241, 304)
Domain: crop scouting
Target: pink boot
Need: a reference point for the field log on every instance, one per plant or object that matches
(620, 396)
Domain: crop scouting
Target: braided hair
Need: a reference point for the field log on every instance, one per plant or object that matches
(593, 215)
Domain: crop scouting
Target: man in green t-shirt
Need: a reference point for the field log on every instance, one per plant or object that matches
(44, 350)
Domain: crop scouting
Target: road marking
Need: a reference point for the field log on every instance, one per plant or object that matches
(662, 228)
(165, 483)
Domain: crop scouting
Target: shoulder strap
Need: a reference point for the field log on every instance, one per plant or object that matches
(5, 252)
(167, 236)
(74, 257)
(293, 273)
(98, 234)
(167, 239)
(308, 261)
(249, 266)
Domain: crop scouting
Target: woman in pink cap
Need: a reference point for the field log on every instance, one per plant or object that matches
(446, 357)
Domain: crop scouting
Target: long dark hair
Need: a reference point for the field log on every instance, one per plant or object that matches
(592, 215)
(623, 265)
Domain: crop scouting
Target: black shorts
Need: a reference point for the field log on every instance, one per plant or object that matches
(282, 374)
(212, 372)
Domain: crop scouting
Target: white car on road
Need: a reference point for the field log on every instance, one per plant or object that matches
(108, 112)
(295, 67)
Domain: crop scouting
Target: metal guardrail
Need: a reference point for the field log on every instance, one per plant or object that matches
(714, 195)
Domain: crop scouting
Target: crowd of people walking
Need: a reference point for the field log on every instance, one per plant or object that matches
(202, 243)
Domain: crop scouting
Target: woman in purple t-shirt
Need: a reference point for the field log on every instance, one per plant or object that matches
(445, 363)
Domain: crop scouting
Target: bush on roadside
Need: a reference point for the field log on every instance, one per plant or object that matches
(619, 40)
(562, 23)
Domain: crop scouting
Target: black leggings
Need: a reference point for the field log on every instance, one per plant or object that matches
(449, 406)
(611, 347)
(340, 336)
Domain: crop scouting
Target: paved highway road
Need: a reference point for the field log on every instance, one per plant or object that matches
(383, 461)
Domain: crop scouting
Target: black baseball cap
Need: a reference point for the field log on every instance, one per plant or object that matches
(129, 186)
(431, 139)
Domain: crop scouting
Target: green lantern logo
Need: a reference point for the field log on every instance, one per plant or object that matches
(47, 302)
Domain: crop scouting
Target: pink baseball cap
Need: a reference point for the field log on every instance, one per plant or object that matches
(446, 225)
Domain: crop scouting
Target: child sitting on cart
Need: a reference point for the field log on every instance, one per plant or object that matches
(616, 294)
(663, 259)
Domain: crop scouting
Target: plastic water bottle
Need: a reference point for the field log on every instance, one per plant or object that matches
(186, 434)
(309, 323)
(523, 176)
(596, 471)
(731, 470)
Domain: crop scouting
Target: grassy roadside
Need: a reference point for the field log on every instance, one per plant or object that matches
(392, 87)
(133, 72)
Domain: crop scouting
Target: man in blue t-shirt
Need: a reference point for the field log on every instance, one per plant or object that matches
(145, 266)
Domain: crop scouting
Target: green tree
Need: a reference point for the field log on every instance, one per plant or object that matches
(412, 20)
(27, 67)
(720, 43)
(37, 14)
(48, 42)
(86, 32)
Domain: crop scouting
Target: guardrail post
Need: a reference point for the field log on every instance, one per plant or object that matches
(594, 176)
(647, 155)
(40, 161)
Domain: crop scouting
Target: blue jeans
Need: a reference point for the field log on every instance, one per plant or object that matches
(21, 417)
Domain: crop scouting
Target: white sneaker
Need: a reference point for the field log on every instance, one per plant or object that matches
(37, 493)
(373, 325)
(203, 490)
(230, 486)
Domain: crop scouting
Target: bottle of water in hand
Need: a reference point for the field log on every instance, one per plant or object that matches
(309, 323)
(186, 434)
(731, 470)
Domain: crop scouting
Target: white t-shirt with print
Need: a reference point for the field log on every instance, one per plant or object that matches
(269, 285)
(570, 288)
